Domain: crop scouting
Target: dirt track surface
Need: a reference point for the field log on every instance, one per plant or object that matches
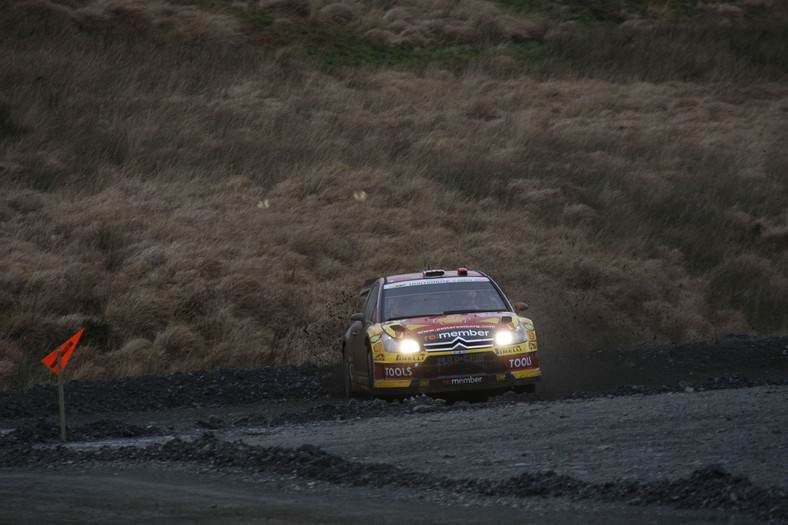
(278, 446)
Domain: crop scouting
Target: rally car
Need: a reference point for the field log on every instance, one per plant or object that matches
(438, 331)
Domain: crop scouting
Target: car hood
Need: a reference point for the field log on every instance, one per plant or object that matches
(468, 326)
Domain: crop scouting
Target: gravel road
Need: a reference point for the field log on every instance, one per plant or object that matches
(277, 445)
(631, 438)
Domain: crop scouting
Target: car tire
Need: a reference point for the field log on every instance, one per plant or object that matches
(525, 389)
(370, 374)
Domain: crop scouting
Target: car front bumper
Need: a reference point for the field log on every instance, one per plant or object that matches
(462, 383)
(489, 369)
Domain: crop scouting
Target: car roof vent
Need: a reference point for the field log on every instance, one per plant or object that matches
(462, 272)
(433, 273)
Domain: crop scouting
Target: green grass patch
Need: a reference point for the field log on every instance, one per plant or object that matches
(601, 12)
(594, 12)
(686, 45)
(523, 7)
(698, 50)
(335, 47)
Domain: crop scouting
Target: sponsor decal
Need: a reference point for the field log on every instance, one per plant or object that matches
(397, 371)
(529, 326)
(525, 361)
(428, 282)
(500, 377)
(528, 361)
(411, 357)
(375, 338)
(508, 350)
(442, 328)
(378, 357)
(532, 345)
(466, 334)
(462, 380)
(377, 347)
(449, 360)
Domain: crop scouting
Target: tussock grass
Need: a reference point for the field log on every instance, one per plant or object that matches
(195, 185)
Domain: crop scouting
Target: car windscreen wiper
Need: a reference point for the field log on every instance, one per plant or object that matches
(465, 311)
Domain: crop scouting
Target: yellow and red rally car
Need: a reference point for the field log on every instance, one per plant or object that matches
(438, 331)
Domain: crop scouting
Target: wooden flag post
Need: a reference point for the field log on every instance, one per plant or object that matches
(61, 396)
(56, 361)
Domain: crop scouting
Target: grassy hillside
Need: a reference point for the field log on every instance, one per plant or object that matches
(206, 183)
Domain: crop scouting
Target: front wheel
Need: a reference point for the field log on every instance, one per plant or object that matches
(525, 389)
(370, 374)
(347, 375)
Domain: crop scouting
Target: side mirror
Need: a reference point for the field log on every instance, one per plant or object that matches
(357, 317)
(521, 306)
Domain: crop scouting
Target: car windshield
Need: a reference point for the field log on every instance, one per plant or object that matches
(424, 298)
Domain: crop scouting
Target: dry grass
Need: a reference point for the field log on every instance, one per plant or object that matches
(197, 204)
(409, 23)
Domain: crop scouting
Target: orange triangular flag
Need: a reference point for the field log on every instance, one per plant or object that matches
(66, 350)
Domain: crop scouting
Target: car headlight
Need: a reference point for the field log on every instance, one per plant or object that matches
(409, 346)
(401, 346)
(511, 337)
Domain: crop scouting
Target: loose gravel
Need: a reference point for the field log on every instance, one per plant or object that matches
(194, 418)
